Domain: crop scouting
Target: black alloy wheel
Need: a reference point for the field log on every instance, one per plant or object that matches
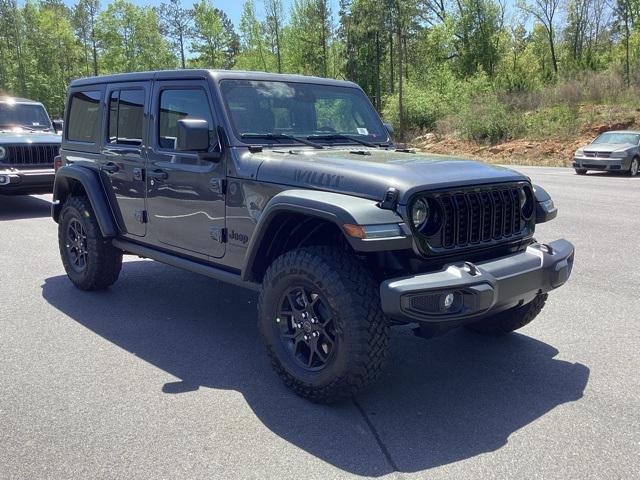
(76, 245)
(307, 328)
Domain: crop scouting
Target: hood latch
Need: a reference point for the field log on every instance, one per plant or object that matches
(390, 199)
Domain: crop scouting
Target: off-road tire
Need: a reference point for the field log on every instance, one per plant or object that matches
(634, 167)
(103, 263)
(510, 320)
(353, 299)
(581, 171)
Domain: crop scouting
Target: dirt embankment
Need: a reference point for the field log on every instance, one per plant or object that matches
(548, 152)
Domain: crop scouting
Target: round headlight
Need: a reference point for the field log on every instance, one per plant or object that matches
(3, 152)
(419, 213)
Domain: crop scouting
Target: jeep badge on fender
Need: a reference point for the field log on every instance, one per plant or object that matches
(341, 233)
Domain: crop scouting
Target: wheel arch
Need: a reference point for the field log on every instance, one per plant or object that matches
(75, 180)
(297, 218)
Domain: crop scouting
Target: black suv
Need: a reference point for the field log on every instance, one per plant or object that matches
(291, 186)
(28, 146)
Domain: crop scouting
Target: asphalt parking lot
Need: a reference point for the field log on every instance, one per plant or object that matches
(164, 375)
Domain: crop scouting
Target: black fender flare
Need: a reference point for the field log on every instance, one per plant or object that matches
(92, 185)
(336, 208)
(545, 208)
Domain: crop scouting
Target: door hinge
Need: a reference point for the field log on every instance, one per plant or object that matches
(218, 185)
(138, 174)
(141, 216)
(219, 234)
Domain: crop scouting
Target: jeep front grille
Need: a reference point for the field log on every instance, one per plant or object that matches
(478, 216)
(31, 154)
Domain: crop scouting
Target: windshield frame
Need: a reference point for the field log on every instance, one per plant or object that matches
(28, 128)
(636, 135)
(236, 136)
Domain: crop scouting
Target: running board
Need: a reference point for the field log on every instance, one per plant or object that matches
(175, 261)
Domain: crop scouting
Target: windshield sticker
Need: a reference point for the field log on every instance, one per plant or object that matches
(363, 131)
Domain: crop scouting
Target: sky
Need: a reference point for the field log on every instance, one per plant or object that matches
(233, 8)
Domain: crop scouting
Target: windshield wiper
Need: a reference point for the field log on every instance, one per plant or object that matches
(281, 136)
(340, 136)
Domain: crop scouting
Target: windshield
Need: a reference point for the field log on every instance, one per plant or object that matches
(273, 111)
(23, 115)
(612, 137)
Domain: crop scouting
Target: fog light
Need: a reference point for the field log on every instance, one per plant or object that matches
(449, 298)
(4, 180)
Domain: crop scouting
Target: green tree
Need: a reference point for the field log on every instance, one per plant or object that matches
(130, 39)
(254, 54)
(215, 42)
(176, 22)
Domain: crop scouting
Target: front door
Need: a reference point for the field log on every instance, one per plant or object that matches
(185, 194)
(123, 155)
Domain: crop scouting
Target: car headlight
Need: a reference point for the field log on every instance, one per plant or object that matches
(580, 152)
(3, 153)
(419, 213)
(620, 154)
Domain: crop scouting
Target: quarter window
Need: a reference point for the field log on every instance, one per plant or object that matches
(126, 117)
(84, 115)
(176, 105)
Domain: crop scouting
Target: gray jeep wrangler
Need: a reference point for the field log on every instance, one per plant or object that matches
(29, 144)
(292, 186)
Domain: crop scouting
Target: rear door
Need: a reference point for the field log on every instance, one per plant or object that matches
(185, 193)
(123, 152)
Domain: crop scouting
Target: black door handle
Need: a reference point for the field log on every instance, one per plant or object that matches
(110, 167)
(158, 174)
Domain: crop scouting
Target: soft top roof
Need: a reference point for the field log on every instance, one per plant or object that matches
(215, 74)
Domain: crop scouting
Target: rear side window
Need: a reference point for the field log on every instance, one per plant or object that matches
(126, 117)
(176, 105)
(84, 115)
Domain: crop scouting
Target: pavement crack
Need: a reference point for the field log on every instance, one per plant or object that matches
(376, 435)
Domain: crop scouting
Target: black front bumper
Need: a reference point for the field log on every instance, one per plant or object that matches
(20, 182)
(478, 289)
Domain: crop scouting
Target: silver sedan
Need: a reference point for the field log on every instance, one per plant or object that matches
(610, 151)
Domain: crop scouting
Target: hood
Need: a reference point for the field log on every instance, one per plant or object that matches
(607, 147)
(7, 137)
(370, 172)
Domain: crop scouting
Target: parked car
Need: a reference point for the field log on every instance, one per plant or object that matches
(610, 151)
(29, 142)
(292, 186)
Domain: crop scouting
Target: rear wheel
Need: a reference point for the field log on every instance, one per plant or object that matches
(91, 262)
(320, 317)
(510, 320)
(634, 167)
(581, 171)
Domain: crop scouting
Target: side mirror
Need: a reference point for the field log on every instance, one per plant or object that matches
(58, 125)
(389, 128)
(193, 135)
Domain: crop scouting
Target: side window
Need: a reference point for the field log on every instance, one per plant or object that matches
(126, 117)
(84, 115)
(176, 105)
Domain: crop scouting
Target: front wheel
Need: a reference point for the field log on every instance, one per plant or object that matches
(510, 320)
(320, 317)
(90, 260)
(581, 171)
(634, 167)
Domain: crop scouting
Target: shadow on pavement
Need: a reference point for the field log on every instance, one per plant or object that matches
(16, 207)
(441, 401)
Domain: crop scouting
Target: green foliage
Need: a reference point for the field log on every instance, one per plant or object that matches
(130, 39)
(215, 42)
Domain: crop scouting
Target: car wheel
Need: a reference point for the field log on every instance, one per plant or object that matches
(91, 262)
(510, 320)
(635, 167)
(320, 317)
(581, 171)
